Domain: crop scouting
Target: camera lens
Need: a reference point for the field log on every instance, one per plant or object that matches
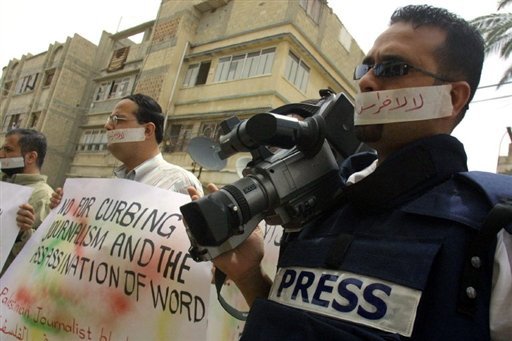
(210, 219)
(214, 218)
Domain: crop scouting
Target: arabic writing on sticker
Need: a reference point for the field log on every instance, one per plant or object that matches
(117, 135)
(376, 106)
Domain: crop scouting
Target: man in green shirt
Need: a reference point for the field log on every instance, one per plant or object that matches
(21, 158)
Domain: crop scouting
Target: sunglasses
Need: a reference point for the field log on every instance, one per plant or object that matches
(392, 69)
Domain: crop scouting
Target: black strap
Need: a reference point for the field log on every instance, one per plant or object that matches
(498, 218)
(220, 278)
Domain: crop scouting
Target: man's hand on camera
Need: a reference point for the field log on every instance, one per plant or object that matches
(243, 264)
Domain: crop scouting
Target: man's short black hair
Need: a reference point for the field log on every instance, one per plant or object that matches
(462, 55)
(149, 111)
(31, 140)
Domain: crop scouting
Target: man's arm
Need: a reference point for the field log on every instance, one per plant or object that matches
(243, 264)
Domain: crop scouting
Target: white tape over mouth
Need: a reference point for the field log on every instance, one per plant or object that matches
(12, 162)
(403, 105)
(125, 135)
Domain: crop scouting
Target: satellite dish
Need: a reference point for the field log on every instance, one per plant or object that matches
(204, 151)
(240, 165)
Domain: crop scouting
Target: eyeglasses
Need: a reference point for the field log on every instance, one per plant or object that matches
(114, 119)
(392, 69)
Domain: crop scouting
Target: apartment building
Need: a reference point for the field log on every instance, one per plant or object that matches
(205, 61)
(48, 92)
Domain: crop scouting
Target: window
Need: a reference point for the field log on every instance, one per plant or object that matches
(312, 8)
(101, 92)
(178, 138)
(26, 83)
(93, 140)
(245, 65)
(118, 59)
(345, 39)
(191, 76)
(297, 72)
(197, 74)
(119, 88)
(222, 69)
(34, 119)
(210, 129)
(116, 88)
(11, 121)
(7, 88)
(259, 63)
(235, 67)
(48, 77)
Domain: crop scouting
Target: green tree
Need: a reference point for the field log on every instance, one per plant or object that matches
(496, 30)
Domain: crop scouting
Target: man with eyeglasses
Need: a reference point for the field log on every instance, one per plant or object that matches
(134, 132)
(21, 158)
(411, 252)
(140, 120)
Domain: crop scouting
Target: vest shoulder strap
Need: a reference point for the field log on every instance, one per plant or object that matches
(496, 187)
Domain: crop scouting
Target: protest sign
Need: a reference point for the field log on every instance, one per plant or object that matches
(11, 197)
(110, 263)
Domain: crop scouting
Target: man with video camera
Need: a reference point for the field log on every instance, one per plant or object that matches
(416, 247)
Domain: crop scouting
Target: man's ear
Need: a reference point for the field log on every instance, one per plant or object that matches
(31, 158)
(460, 96)
(149, 129)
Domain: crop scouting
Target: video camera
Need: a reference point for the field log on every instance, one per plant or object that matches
(290, 187)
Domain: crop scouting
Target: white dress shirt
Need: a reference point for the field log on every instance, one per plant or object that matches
(160, 173)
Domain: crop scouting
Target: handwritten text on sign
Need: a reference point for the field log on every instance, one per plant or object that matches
(110, 261)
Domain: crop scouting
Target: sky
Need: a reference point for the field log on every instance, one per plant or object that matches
(30, 26)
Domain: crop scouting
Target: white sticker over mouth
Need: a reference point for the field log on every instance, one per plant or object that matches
(125, 135)
(403, 105)
(12, 162)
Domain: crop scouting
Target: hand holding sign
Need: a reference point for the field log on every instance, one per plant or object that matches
(11, 197)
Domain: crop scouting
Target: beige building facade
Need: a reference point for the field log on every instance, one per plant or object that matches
(205, 61)
(48, 92)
